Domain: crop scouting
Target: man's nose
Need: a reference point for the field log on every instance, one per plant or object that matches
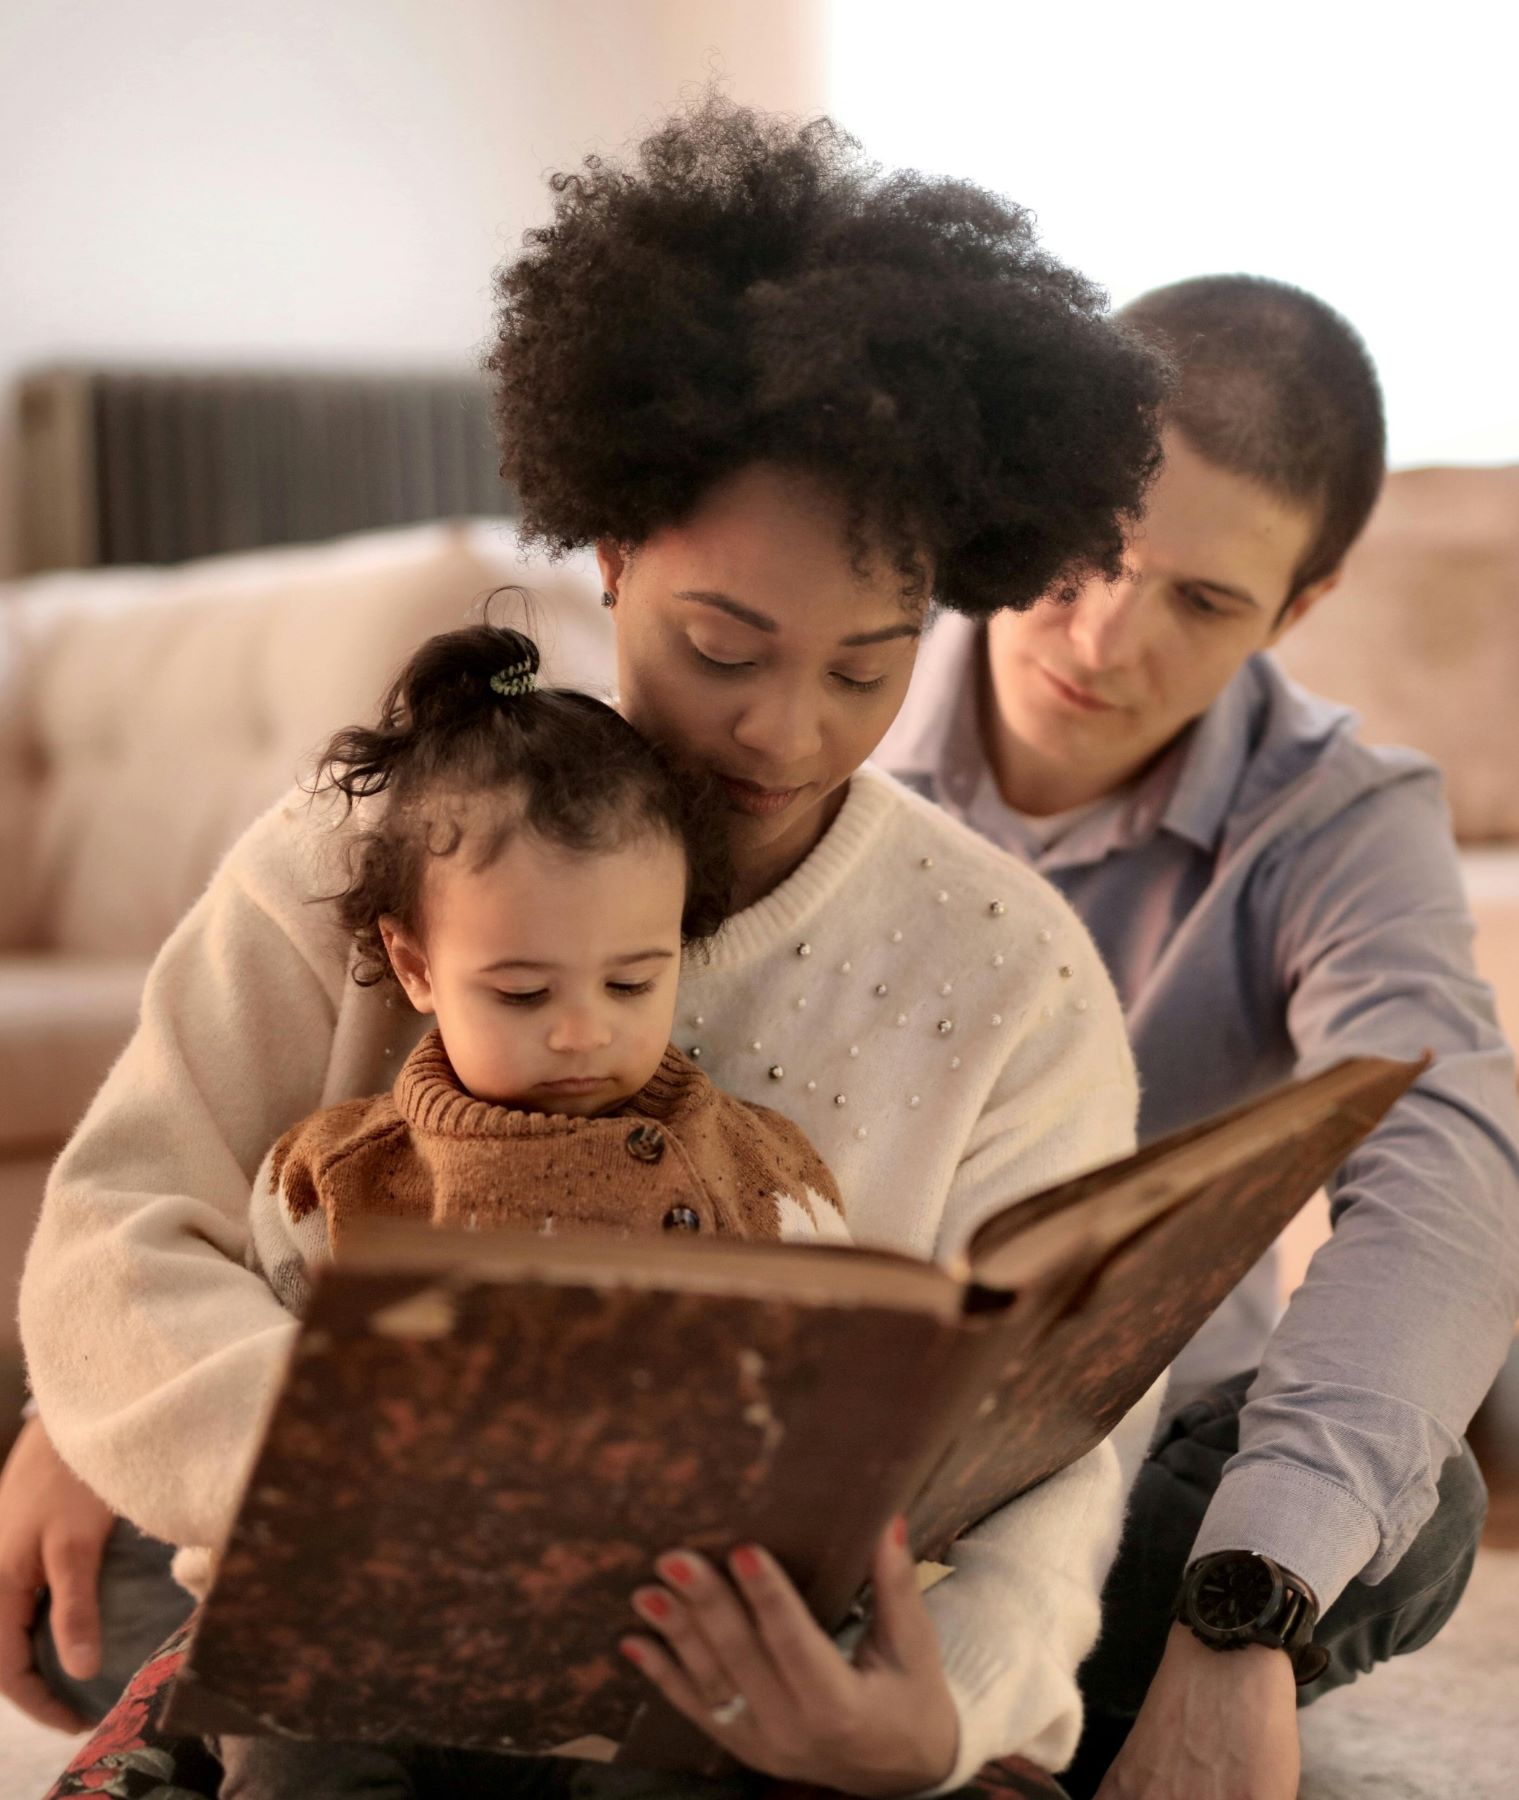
(1106, 623)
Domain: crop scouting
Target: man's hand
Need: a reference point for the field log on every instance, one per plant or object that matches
(741, 1657)
(1215, 1725)
(52, 1533)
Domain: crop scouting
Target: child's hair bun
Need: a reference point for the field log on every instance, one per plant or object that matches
(459, 673)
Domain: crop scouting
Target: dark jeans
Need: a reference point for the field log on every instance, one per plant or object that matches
(1366, 1625)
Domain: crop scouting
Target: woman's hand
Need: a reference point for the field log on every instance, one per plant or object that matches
(744, 1660)
(52, 1533)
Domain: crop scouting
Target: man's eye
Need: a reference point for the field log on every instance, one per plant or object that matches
(628, 989)
(1200, 603)
(529, 997)
(721, 668)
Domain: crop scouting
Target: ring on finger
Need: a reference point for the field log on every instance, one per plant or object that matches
(731, 1710)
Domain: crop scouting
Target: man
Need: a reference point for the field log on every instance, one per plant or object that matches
(1269, 895)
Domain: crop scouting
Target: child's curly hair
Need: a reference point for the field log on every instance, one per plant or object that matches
(468, 749)
(748, 289)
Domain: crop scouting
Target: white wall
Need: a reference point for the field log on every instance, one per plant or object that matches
(1367, 152)
(320, 180)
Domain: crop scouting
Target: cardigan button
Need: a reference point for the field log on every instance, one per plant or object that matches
(681, 1218)
(646, 1143)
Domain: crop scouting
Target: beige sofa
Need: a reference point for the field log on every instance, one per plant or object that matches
(146, 716)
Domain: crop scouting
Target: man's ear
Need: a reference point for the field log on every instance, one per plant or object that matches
(409, 960)
(1302, 603)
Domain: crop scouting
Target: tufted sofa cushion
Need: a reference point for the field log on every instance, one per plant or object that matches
(149, 715)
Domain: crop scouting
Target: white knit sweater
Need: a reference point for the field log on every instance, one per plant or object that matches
(926, 1008)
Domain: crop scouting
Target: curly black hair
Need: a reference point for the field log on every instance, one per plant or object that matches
(749, 289)
(465, 721)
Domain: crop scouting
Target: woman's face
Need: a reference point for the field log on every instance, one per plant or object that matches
(750, 644)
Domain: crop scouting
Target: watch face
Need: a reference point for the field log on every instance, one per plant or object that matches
(1236, 1593)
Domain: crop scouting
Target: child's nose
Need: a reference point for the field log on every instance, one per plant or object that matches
(579, 1029)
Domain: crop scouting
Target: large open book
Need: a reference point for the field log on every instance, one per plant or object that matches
(483, 1440)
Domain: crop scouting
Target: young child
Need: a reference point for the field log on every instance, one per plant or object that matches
(530, 875)
(529, 870)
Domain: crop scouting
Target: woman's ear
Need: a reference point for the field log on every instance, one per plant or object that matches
(612, 561)
(409, 960)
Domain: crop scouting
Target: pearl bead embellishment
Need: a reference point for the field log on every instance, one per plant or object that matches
(1066, 971)
(948, 988)
(694, 1053)
(996, 909)
(882, 990)
(756, 1045)
(954, 1062)
(996, 1019)
(1081, 1006)
(777, 1073)
(854, 1049)
(896, 937)
(942, 896)
(804, 949)
(801, 1003)
(1044, 937)
(901, 1018)
(841, 1099)
(845, 967)
(860, 1131)
(945, 1027)
(998, 960)
(926, 862)
(812, 1087)
(916, 1100)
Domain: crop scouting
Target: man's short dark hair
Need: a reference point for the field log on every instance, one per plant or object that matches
(1275, 386)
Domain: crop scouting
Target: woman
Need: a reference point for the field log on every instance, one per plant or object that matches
(790, 401)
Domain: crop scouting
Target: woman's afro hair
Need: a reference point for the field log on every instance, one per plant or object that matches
(748, 289)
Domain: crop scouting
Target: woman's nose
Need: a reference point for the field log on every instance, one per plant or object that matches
(782, 730)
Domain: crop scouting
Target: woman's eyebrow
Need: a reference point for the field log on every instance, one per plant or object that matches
(746, 615)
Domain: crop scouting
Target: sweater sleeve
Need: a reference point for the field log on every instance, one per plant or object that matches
(153, 1350)
(1022, 1609)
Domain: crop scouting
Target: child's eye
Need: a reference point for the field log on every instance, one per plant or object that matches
(528, 998)
(628, 990)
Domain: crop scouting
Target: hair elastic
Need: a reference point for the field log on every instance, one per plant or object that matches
(516, 678)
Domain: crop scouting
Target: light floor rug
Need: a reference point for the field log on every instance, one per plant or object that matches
(1440, 1725)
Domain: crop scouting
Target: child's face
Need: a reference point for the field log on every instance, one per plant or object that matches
(552, 973)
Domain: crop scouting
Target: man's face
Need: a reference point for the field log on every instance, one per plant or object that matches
(1090, 691)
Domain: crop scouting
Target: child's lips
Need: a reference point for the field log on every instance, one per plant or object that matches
(574, 1084)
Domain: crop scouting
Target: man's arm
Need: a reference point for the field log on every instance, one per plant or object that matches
(1406, 1314)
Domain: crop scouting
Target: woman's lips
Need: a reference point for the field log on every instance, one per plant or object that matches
(759, 802)
(1074, 696)
(575, 1084)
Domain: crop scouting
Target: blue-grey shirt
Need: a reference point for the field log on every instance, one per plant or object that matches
(1270, 896)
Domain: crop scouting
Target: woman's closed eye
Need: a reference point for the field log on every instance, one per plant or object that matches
(853, 683)
(628, 990)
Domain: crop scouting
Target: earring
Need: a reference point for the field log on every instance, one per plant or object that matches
(607, 599)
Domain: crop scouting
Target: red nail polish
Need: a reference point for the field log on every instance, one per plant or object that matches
(678, 1570)
(899, 1530)
(654, 1603)
(746, 1563)
(633, 1650)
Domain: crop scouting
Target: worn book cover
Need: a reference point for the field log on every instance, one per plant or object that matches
(483, 1441)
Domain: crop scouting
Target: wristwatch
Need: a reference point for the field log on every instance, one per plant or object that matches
(1238, 1597)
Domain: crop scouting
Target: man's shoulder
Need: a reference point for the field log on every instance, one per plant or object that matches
(1309, 768)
